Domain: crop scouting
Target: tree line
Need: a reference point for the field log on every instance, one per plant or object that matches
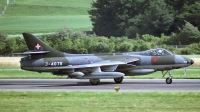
(69, 41)
(155, 17)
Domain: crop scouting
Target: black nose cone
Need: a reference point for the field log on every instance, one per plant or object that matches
(191, 62)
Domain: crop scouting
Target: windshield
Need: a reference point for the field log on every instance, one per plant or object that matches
(158, 52)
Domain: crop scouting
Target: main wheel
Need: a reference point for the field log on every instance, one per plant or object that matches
(94, 81)
(118, 80)
(168, 80)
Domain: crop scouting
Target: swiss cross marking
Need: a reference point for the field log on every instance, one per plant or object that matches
(155, 60)
(38, 46)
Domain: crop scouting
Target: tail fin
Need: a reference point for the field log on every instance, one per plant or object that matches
(36, 45)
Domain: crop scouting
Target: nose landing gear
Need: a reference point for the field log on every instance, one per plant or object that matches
(169, 79)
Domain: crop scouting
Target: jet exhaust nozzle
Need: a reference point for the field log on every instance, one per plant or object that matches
(191, 61)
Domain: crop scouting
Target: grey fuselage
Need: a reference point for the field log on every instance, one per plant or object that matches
(145, 65)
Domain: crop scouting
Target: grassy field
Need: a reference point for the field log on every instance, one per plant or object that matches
(99, 102)
(42, 16)
(192, 56)
(2, 5)
(43, 24)
(21, 74)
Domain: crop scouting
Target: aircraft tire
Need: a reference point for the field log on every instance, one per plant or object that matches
(168, 80)
(118, 80)
(94, 81)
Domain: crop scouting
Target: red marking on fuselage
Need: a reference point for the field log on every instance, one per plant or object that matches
(155, 60)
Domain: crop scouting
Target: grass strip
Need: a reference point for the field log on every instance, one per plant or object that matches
(99, 101)
(42, 24)
(42, 16)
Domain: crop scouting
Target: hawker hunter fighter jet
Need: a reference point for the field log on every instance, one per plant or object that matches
(43, 58)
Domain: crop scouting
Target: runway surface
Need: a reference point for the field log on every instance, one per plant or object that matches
(137, 85)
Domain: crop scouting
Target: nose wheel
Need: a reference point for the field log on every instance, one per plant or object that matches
(169, 79)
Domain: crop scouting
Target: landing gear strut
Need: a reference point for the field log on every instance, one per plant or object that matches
(94, 81)
(118, 80)
(169, 79)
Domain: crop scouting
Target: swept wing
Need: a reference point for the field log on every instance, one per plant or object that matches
(106, 65)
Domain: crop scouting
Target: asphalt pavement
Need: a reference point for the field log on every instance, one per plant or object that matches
(133, 85)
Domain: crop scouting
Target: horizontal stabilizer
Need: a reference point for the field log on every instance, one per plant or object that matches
(32, 52)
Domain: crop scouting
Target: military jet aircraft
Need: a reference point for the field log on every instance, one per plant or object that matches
(43, 58)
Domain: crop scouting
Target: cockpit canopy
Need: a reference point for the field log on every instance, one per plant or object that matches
(151, 52)
(158, 52)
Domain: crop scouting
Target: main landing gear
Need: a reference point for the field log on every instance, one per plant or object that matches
(169, 79)
(94, 81)
(118, 80)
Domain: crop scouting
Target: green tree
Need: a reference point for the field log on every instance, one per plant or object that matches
(183, 9)
(128, 17)
(78, 34)
(3, 39)
(195, 48)
(2, 47)
(187, 35)
(20, 45)
(64, 46)
(191, 13)
(125, 47)
(164, 39)
(79, 46)
(149, 38)
(62, 33)
(103, 17)
(10, 46)
(91, 44)
(102, 48)
(156, 18)
(178, 4)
